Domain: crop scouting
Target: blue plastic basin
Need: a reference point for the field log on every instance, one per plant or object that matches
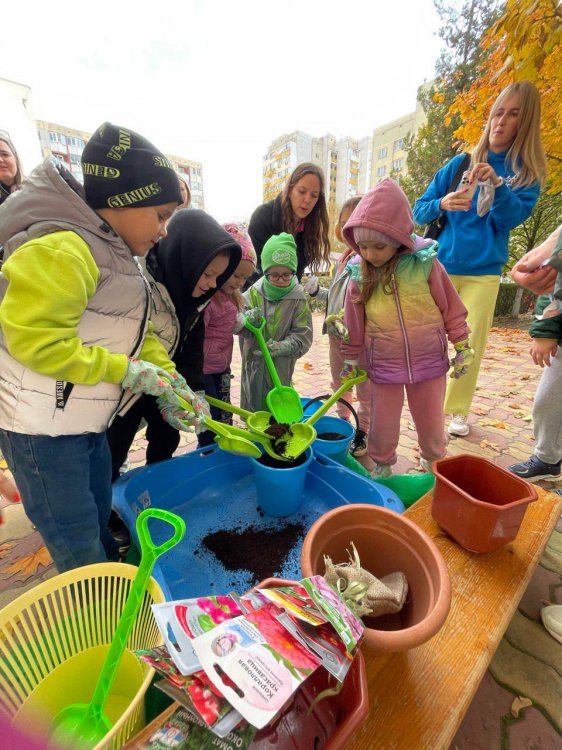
(213, 490)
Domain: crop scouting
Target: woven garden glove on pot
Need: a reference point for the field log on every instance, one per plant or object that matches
(349, 370)
(336, 327)
(145, 377)
(462, 360)
(362, 591)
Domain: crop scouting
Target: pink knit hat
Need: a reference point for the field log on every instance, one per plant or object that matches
(240, 234)
(384, 209)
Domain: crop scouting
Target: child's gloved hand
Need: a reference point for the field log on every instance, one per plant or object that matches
(177, 415)
(279, 348)
(254, 316)
(311, 285)
(462, 360)
(349, 370)
(336, 327)
(239, 322)
(145, 377)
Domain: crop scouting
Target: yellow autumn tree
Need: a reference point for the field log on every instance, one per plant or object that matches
(525, 43)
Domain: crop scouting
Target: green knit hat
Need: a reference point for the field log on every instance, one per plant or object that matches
(279, 250)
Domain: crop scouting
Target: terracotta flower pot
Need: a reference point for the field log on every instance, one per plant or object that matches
(386, 542)
(478, 503)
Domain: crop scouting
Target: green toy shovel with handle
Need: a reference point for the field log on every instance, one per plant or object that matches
(83, 725)
(283, 402)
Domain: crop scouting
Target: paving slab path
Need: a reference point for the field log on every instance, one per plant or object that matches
(528, 662)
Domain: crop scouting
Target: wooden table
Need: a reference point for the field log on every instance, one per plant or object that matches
(418, 699)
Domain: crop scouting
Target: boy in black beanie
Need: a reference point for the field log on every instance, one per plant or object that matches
(76, 346)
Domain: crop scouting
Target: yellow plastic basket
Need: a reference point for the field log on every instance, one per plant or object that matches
(54, 639)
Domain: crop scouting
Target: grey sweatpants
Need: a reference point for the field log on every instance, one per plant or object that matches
(547, 412)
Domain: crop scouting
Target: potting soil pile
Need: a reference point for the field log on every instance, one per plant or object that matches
(234, 661)
(262, 552)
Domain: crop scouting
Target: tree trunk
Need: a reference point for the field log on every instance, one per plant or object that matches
(516, 307)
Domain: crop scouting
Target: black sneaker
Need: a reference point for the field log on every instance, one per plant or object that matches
(533, 470)
(358, 444)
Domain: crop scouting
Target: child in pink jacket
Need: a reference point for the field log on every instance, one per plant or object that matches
(223, 318)
(399, 312)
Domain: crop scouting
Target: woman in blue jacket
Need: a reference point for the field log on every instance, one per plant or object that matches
(508, 166)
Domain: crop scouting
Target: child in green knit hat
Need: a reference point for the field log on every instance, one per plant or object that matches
(280, 299)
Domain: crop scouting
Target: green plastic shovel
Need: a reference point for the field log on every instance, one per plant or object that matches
(257, 421)
(285, 448)
(283, 402)
(83, 725)
(329, 402)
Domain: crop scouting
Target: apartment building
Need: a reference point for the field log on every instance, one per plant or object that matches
(389, 154)
(66, 145)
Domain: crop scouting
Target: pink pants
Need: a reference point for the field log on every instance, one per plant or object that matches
(426, 405)
(363, 389)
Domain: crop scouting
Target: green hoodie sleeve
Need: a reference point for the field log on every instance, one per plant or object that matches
(154, 351)
(547, 328)
(49, 283)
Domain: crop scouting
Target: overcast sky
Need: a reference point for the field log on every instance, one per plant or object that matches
(217, 80)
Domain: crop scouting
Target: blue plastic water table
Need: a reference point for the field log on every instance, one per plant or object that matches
(212, 491)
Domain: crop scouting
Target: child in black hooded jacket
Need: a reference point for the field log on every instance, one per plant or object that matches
(185, 270)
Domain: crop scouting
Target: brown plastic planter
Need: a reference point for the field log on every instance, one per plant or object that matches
(387, 542)
(478, 503)
(326, 725)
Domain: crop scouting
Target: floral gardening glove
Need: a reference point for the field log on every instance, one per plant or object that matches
(145, 377)
(280, 348)
(349, 371)
(462, 360)
(254, 316)
(336, 327)
(176, 414)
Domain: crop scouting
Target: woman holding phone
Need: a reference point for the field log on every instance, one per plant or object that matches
(507, 168)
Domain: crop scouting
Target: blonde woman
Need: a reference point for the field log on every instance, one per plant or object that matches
(508, 166)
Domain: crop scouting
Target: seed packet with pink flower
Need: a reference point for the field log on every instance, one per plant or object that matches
(296, 600)
(255, 662)
(348, 627)
(183, 731)
(195, 692)
(182, 620)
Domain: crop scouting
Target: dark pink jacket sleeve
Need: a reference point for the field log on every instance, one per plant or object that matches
(449, 303)
(354, 321)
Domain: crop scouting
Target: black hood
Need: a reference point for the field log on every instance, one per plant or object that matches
(194, 238)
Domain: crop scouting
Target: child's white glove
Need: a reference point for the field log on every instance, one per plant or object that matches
(336, 327)
(239, 322)
(280, 348)
(311, 285)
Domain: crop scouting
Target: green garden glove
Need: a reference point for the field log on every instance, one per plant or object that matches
(254, 316)
(145, 377)
(280, 348)
(462, 360)
(336, 327)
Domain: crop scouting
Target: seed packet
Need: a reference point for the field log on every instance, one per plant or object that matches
(255, 663)
(348, 627)
(323, 641)
(296, 600)
(195, 692)
(183, 731)
(182, 620)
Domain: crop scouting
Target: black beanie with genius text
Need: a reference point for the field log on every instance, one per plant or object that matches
(123, 170)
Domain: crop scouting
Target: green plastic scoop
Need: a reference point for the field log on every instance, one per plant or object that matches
(329, 402)
(286, 447)
(283, 402)
(83, 725)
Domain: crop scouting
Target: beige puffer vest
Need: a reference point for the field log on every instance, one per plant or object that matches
(116, 316)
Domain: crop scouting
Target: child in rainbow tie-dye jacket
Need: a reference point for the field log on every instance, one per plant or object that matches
(400, 311)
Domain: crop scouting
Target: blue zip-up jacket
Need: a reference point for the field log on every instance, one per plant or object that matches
(471, 245)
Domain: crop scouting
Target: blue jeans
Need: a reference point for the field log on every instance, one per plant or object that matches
(65, 486)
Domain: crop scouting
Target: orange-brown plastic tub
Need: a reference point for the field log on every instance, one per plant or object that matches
(478, 503)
